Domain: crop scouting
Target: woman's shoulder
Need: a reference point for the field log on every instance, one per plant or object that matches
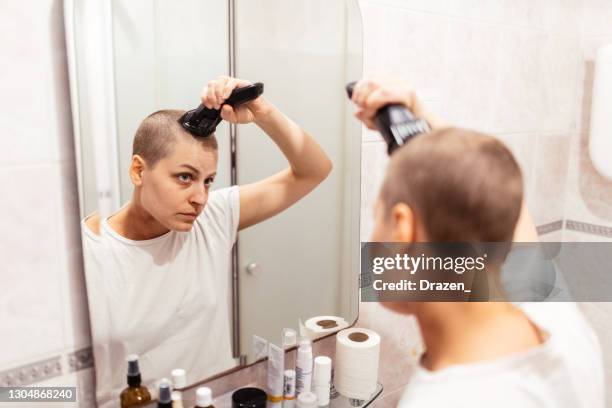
(92, 222)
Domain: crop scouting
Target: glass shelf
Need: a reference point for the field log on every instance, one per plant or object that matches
(224, 401)
(343, 402)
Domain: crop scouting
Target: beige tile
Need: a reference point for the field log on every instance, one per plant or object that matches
(589, 195)
(560, 75)
(546, 201)
(585, 74)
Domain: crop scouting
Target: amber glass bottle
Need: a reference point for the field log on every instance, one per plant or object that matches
(135, 393)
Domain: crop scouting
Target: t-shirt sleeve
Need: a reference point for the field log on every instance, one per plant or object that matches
(223, 211)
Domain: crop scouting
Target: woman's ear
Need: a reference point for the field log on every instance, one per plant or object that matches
(137, 167)
(403, 221)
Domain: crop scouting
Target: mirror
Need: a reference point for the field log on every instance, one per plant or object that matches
(179, 307)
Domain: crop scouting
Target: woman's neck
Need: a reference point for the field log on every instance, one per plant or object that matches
(134, 222)
(461, 333)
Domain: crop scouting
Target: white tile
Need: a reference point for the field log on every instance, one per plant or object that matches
(402, 46)
(559, 104)
(35, 116)
(432, 6)
(597, 15)
(32, 300)
(483, 11)
(520, 84)
(83, 381)
(473, 64)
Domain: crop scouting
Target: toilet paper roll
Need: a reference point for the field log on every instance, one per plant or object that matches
(357, 354)
(319, 326)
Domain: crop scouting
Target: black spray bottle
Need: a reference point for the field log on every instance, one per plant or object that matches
(396, 124)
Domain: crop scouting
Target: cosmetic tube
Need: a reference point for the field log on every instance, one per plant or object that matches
(276, 366)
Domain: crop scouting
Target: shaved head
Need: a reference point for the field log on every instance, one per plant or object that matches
(158, 132)
(462, 185)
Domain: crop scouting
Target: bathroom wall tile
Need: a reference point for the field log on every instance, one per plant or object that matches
(472, 66)
(373, 20)
(520, 84)
(432, 6)
(563, 17)
(36, 122)
(85, 387)
(586, 69)
(559, 102)
(546, 201)
(410, 44)
(570, 235)
(589, 195)
(373, 166)
(555, 236)
(597, 15)
(522, 147)
(400, 343)
(32, 301)
(488, 11)
(546, 15)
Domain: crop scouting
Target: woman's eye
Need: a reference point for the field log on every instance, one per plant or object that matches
(185, 177)
(208, 181)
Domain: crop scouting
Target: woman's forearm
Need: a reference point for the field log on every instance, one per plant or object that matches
(306, 157)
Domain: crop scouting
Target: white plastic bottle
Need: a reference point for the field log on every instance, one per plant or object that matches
(303, 367)
(289, 389)
(179, 380)
(203, 398)
(321, 381)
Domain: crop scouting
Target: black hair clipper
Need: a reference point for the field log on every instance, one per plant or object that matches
(203, 121)
(396, 124)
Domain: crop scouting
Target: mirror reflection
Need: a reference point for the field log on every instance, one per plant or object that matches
(194, 244)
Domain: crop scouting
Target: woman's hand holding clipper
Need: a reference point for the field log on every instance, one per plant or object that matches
(216, 92)
(370, 94)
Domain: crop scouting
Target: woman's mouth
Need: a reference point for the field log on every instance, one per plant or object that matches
(191, 216)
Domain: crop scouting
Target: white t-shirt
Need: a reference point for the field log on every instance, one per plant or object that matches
(566, 371)
(166, 299)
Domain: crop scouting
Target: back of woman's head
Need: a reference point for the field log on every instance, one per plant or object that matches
(462, 186)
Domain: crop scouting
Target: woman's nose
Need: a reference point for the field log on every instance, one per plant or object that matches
(199, 196)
